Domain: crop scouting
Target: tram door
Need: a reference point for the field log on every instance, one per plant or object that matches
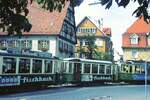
(77, 72)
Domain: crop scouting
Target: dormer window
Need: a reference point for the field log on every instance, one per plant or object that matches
(134, 39)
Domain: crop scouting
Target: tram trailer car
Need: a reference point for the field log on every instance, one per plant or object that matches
(134, 72)
(25, 70)
(86, 71)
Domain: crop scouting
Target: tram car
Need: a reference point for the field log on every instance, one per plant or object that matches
(134, 72)
(26, 69)
(78, 70)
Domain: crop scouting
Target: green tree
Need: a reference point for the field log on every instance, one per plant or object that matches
(13, 12)
(90, 49)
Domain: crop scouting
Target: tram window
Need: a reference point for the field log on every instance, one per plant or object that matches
(125, 68)
(70, 67)
(24, 65)
(48, 66)
(142, 69)
(9, 65)
(37, 66)
(108, 70)
(130, 68)
(94, 68)
(63, 66)
(86, 68)
(56, 66)
(137, 69)
(102, 69)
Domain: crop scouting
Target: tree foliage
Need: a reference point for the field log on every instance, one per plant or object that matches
(140, 11)
(13, 16)
(13, 13)
(91, 50)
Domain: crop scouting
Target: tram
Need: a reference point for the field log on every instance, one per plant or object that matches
(78, 70)
(134, 72)
(26, 69)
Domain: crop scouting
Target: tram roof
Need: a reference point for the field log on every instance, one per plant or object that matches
(86, 60)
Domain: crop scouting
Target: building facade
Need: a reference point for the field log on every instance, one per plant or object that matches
(52, 32)
(102, 38)
(136, 41)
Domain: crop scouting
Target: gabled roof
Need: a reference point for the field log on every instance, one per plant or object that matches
(139, 26)
(87, 18)
(45, 22)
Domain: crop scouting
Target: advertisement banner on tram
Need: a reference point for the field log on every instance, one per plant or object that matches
(9, 80)
(140, 77)
(36, 78)
(102, 77)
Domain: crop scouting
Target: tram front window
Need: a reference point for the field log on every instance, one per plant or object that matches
(24, 65)
(48, 66)
(9, 65)
(37, 66)
(94, 68)
(86, 68)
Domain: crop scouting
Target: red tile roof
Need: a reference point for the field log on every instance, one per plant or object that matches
(142, 43)
(139, 26)
(45, 22)
(107, 31)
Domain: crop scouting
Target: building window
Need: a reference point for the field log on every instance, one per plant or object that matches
(134, 54)
(134, 39)
(79, 30)
(99, 42)
(60, 46)
(43, 45)
(15, 43)
(27, 44)
(3, 44)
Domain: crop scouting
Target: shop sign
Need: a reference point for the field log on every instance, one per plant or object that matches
(9, 80)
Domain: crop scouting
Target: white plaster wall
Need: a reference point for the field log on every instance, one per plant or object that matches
(35, 45)
(52, 47)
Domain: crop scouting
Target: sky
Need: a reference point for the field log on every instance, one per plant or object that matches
(119, 19)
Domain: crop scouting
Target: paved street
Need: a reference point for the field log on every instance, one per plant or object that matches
(130, 92)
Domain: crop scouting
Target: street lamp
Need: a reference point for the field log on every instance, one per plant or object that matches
(145, 80)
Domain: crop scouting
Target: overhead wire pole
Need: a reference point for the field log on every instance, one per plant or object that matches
(145, 80)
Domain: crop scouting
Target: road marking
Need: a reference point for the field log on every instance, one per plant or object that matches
(22, 99)
(101, 98)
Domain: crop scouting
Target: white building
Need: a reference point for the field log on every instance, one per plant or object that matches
(52, 32)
